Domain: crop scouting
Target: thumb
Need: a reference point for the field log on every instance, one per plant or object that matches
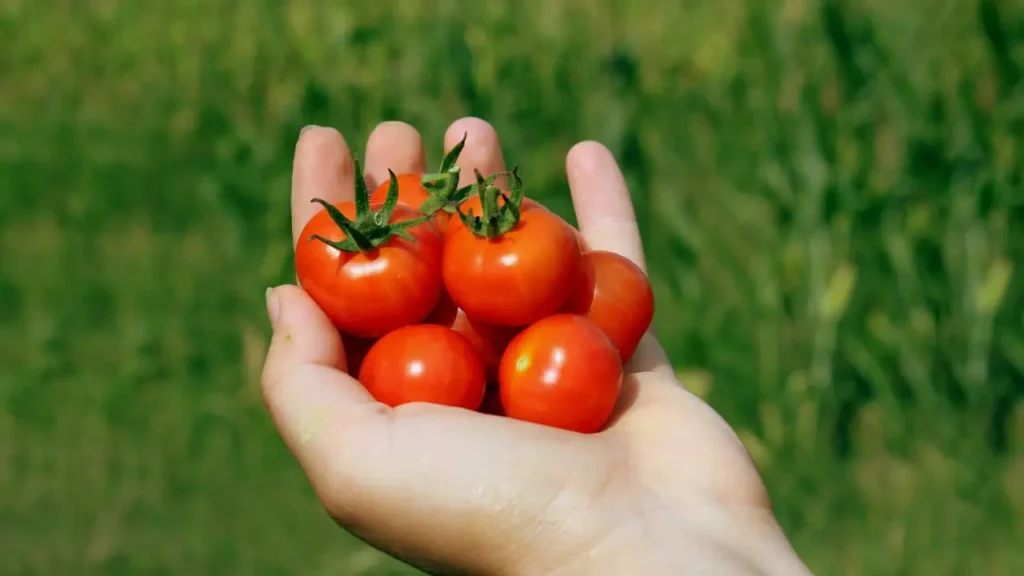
(325, 417)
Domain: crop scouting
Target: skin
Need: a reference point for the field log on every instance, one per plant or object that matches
(369, 294)
(519, 277)
(424, 363)
(614, 294)
(666, 488)
(562, 371)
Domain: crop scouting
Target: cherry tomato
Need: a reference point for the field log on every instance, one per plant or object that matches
(424, 363)
(563, 372)
(368, 293)
(614, 294)
(508, 269)
(472, 204)
(489, 340)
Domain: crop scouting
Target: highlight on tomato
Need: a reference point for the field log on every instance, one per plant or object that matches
(512, 264)
(372, 268)
(615, 294)
(563, 372)
(424, 363)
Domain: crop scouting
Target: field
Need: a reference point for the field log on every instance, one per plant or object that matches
(830, 192)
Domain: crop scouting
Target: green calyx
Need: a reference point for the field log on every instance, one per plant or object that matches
(370, 229)
(497, 219)
(443, 185)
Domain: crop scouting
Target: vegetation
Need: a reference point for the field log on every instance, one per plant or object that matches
(830, 194)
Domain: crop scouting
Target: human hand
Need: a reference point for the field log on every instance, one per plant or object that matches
(667, 488)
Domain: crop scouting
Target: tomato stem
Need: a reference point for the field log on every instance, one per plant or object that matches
(497, 219)
(371, 228)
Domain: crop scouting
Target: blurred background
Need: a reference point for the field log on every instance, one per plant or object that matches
(830, 192)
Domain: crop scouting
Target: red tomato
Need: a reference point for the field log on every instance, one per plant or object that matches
(424, 363)
(490, 341)
(614, 294)
(370, 293)
(563, 372)
(516, 278)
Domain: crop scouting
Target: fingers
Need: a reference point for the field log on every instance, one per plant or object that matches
(322, 168)
(322, 414)
(603, 207)
(482, 151)
(396, 146)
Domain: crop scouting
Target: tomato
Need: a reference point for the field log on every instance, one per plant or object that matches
(563, 372)
(510, 269)
(424, 363)
(490, 341)
(387, 282)
(614, 294)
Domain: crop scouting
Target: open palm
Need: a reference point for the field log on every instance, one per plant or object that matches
(665, 488)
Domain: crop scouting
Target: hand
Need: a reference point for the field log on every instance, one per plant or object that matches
(667, 488)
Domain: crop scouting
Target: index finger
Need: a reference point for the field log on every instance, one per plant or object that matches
(322, 168)
(604, 209)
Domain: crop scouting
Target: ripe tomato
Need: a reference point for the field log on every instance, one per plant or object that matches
(563, 372)
(490, 341)
(507, 268)
(614, 294)
(382, 282)
(424, 363)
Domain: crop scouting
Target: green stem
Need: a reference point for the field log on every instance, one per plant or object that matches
(370, 229)
(497, 219)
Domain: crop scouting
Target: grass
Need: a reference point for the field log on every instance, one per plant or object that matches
(830, 194)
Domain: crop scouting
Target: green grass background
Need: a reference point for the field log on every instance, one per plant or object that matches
(830, 193)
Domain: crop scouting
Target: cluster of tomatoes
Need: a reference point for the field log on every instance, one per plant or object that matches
(474, 297)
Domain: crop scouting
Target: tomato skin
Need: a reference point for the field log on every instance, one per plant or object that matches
(368, 295)
(413, 194)
(563, 372)
(615, 294)
(489, 340)
(424, 363)
(517, 278)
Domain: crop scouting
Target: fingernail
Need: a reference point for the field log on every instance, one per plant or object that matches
(307, 128)
(273, 306)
